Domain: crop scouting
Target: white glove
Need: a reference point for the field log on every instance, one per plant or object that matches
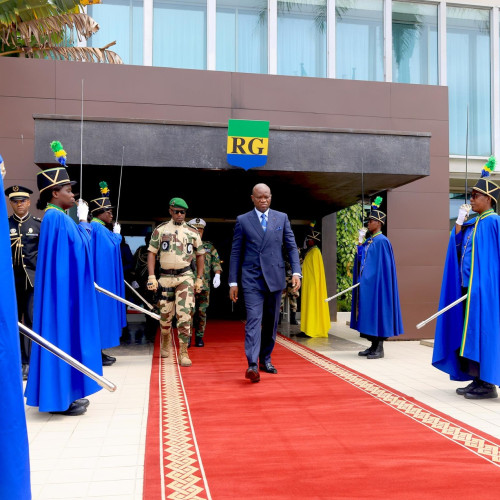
(117, 229)
(82, 210)
(3, 169)
(135, 284)
(362, 234)
(463, 213)
(216, 281)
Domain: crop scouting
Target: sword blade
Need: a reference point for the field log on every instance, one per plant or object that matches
(103, 382)
(125, 301)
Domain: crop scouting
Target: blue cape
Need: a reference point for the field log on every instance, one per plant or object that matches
(375, 302)
(472, 328)
(65, 313)
(14, 455)
(108, 272)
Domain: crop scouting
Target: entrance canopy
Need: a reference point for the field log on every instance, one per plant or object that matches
(311, 171)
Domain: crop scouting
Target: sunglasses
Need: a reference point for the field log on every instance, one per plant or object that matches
(475, 194)
(178, 211)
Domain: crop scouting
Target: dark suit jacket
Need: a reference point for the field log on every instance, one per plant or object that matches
(257, 256)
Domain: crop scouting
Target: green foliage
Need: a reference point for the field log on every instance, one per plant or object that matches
(348, 224)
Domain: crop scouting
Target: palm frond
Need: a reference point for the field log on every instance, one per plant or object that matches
(40, 30)
(80, 54)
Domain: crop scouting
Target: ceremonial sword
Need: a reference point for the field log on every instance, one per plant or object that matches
(103, 382)
(453, 304)
(131, 304)
(139, 295)
(342, 292)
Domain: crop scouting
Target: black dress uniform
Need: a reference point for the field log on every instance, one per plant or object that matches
(24, 237)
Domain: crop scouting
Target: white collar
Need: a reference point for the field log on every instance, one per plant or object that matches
(259, 214)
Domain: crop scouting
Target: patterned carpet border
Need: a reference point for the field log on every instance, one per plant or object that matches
(485, 448)
(183, 477)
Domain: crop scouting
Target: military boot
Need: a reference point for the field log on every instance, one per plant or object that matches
(183, 354)
(293, 319)
(165, 344)
(378, 352)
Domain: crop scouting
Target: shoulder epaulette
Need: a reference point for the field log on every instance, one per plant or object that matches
(160, 225)
(37, 219)
(191, 227)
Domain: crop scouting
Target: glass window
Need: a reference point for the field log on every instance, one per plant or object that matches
(468, 49)
(119, 20)
(180, 33)
(242, 36)
(414, 43)
(360, 39)
(302, 38)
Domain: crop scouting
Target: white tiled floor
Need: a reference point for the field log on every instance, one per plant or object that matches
(100, 455)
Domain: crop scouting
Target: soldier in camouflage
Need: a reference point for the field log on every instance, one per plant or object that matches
(292, 293)
(212, 263)
(176, 243)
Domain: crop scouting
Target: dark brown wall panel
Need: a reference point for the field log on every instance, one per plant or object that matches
(419, 236)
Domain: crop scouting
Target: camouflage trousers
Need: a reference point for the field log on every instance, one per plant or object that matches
(178, 299)
(293, 295)
(200, 312)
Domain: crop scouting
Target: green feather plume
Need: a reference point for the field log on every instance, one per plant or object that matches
(56, 146)
(377, 201)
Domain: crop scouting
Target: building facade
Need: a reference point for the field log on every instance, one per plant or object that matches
(453, 44)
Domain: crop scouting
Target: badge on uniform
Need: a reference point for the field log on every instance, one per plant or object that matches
(190, 248)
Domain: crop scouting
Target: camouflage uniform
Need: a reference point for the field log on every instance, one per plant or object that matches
(177, 245)
(212, 263)
(293, 295)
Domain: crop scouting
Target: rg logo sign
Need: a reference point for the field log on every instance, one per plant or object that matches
(247, 143)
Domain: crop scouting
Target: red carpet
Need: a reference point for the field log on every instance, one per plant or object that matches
(315, 430)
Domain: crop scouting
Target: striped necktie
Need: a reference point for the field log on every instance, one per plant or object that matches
(263, 222)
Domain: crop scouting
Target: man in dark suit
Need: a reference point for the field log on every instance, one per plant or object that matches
(257, 263)
(24, 237)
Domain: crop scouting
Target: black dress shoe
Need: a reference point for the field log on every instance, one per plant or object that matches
(268, 367)
(109, 358)
(199, 342)
(483, 391)
(303, 335)
(463, 390)
(82, 402)
(72, 411)
(252, 374)
(106, 362)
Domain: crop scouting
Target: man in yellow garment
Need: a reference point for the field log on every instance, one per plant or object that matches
(315, 315)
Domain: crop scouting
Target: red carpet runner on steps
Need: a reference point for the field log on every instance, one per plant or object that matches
(317, 430)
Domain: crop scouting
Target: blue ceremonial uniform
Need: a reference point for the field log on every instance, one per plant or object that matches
(65, 314)
(375, 302)
(14, 455)
(108, 272)
(471, 330)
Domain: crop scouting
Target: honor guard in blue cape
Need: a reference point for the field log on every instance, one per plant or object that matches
(14, 453)
(202, 299)
(108, 271)
(24, 231)
(375, 312)
(467, 340)
(65, 310)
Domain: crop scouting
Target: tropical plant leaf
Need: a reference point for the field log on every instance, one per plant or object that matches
(40, 30)
(80, 54)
